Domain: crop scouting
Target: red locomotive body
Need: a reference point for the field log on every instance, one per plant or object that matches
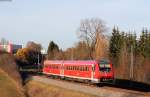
(95, 71)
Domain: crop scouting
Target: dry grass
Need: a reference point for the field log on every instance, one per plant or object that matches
(10, 79)
(37, 89)
(8, 87)
(8, 65)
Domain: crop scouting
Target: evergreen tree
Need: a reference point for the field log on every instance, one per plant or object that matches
(52, 50)
(144, 43)
(115, 43)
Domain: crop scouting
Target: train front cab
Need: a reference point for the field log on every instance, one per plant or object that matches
(104, 72)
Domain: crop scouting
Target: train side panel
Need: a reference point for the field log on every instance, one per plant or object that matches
(77, 71)
(91, 70)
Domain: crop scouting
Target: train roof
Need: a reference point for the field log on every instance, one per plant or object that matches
(71, 61)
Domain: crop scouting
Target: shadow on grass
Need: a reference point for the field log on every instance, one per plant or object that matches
(130, 85)
(27, 75)
(119, 83)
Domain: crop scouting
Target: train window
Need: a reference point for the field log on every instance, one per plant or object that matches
(53, 66)
(72, 67)
(93, 68)
(84, 68)
(80, 68)
(87, 68)
(77, 68)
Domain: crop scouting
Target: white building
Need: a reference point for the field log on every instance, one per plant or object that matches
(10, 48)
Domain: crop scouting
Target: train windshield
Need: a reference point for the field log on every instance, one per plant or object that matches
(104, 66)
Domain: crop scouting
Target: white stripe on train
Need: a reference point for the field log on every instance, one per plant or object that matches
(92, 79)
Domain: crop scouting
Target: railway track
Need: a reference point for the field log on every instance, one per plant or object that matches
(94, 89)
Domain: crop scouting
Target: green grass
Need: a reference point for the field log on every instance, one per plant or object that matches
(38, 89)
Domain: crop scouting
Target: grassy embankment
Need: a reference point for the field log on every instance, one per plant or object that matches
(38, 89)
(11, 83)
(8, 87)
(10, 80)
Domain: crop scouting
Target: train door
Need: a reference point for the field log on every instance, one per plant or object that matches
(62, 70)
(92, 71)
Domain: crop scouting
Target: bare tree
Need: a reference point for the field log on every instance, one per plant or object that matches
(89, 30)
(34, 46)
(101, 47)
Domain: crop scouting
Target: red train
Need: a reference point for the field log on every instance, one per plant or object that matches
(94, 71)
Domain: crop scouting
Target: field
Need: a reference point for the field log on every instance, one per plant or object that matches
(37, 89)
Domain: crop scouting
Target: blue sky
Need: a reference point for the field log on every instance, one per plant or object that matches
(58, 20)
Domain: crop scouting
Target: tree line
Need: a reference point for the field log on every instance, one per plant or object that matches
(95, 43)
